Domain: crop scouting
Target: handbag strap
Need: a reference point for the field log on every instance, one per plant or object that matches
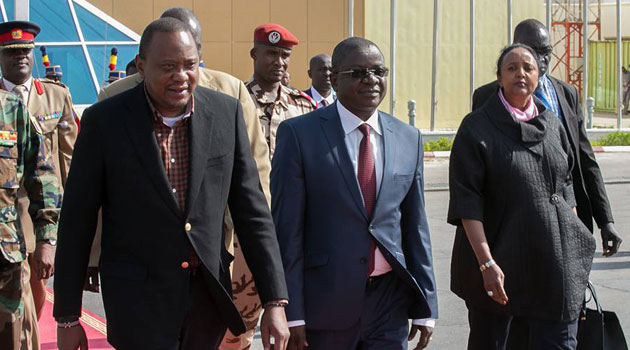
(591, 289)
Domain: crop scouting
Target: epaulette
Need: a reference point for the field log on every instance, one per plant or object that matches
(38, 86)
(309, 98)
(50, 81)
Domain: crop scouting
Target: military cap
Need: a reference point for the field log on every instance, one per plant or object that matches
(115, 75)
(18, 34)
(54, 71)
(274, 35)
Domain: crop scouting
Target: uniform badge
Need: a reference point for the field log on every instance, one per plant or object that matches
(8, 137)
(274, 37)
(16, 34)
(43, 118)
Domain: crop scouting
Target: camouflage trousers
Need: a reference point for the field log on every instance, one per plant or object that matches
(11, 305)
(246, 300)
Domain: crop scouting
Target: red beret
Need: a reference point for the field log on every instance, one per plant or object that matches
(274, 35)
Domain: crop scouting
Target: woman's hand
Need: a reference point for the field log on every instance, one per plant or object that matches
(493, 280)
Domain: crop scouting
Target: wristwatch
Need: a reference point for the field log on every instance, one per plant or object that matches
(52, 242)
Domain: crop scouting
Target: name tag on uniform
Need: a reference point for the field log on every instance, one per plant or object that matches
(43, 118)
(8, 137)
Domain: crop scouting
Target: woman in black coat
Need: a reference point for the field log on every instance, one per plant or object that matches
(519, 249)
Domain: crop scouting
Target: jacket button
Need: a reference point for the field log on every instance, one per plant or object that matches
(371, 229)
(188, 227)
(555, 199)
(363, 260)
(185, 265)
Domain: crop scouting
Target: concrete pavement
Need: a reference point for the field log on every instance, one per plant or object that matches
(610, 275)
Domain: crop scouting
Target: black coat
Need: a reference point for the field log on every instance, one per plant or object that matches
(516, 179)
(146, 236)
(588, 184)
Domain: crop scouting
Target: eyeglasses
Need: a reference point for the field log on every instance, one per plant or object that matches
(366, 72)
(543, 51)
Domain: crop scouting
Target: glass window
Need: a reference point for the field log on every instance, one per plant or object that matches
(100, 59)
(95, 29)
(55, 20)
(9, 7)
(76, 73)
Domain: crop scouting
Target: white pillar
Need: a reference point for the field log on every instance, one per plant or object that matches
(509, 21)
(619, 62)
(392, 57)
(434, 62)
(472, 50)
(350, 18)
(585, 71)
(21, 10)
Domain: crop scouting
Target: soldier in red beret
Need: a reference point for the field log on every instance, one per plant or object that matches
(274, 103)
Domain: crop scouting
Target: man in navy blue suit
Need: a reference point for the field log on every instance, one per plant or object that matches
(348, 204)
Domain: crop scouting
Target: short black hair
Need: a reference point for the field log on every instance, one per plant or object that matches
(160, 25)
(509, 48)
(131, 67)
(347, 47)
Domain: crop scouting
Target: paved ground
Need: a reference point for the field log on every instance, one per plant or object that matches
(610, 275)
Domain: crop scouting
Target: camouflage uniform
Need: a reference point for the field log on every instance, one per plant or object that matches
(50, 103)
(290, 103)
(23, 159)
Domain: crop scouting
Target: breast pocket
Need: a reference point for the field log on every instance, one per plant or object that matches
(218, 160)
(8, 168)
(404, 178)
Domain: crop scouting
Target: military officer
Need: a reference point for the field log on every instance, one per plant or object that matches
(24, 160)
(50, 106)
(274, 102)
(54, 73)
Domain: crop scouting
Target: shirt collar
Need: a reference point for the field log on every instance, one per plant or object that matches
(9, 86)
(318, 97)
(349, 121)
(530, 112)
(190, 108)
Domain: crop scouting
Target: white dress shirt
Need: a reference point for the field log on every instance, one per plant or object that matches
(9, 86)
(318, 97)
(353, 136)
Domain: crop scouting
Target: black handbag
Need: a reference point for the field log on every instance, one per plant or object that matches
(598, 329)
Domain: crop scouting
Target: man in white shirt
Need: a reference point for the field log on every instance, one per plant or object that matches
(319, 71)
(348, 204)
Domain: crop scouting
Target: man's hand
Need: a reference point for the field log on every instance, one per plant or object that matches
(72, 338)
(425, 336)
(44, 259)
(610, 239)
(91, 280)
(274, 323)
(297, 341)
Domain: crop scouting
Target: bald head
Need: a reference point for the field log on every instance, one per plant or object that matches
(349, 47)
(188, 17)
(318, 60)
(319, 70)
(535, 35)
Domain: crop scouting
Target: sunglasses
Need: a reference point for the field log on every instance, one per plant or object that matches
(543, 51)
(366, 72)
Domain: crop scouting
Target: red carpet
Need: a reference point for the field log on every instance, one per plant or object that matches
(94, 326)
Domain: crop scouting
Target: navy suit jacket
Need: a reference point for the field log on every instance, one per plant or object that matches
(323, 228)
